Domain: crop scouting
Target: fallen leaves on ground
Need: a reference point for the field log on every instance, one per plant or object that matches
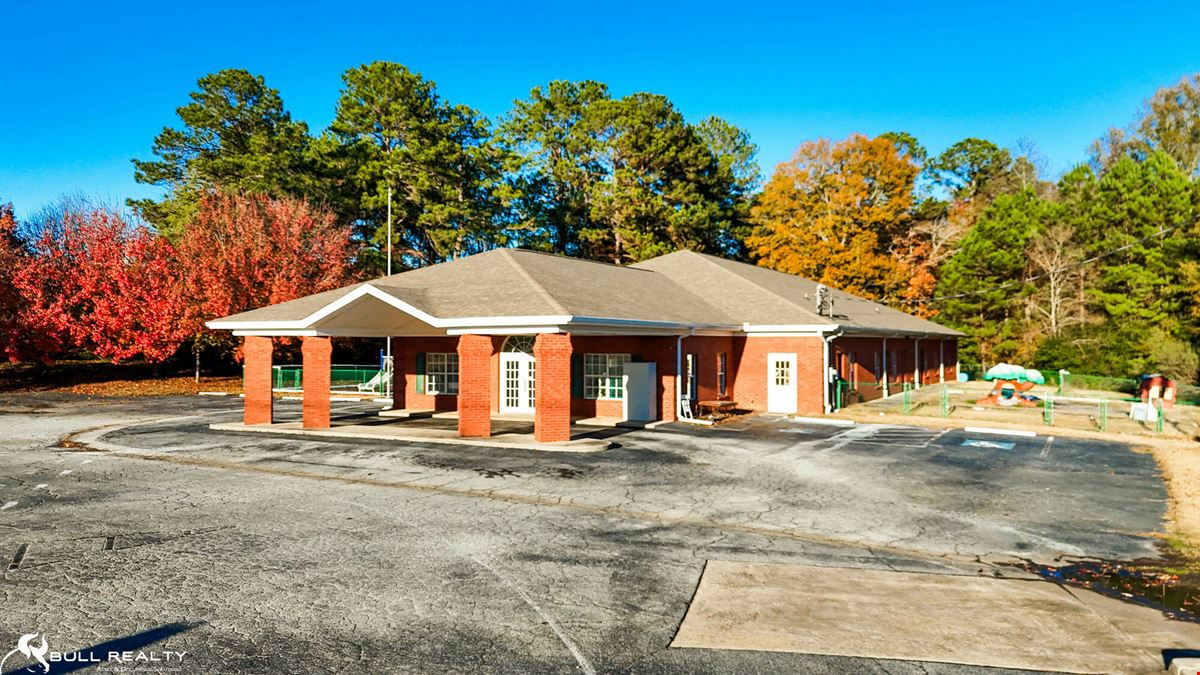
(162, 386)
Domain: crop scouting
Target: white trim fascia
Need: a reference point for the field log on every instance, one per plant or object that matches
(530, 324)
(503, 330)
(276, 332)
(787, 335)
(376, 293)
(819, 328)
(321, 332)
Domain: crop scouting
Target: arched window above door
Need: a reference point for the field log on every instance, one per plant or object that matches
(519, 343)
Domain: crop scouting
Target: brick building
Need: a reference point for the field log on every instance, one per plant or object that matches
(525, 333)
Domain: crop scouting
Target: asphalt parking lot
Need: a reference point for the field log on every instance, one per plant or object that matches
(276, 553)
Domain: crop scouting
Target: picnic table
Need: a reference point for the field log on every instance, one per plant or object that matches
(714, 407)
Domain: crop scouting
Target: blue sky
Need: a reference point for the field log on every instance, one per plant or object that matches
(86, 86)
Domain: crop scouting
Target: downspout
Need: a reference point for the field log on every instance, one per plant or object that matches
(825, 368)
(941, 361)
(679, 373)
(885, 368)
(916, 363)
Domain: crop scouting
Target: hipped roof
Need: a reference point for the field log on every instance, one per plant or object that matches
(684, 290)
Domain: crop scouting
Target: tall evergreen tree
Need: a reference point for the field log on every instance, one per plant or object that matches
(664, 188)
(235, 135)
(555, 162)
(438, 158)
(983, 285)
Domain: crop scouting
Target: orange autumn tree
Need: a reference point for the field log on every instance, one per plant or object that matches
(835, 213)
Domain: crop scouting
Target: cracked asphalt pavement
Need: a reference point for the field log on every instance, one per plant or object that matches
(299, 554)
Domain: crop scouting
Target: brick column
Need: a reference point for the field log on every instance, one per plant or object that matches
(316, 353)
(552, 407)
(669, 407)
(474, 386)
(398, 374)
(256, 380)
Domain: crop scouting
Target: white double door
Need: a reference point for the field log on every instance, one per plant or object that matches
(518, 382)
(781, 383)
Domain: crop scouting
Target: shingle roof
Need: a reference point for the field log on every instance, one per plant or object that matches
(757, 295)
(684, 288)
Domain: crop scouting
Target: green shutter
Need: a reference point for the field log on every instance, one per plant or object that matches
(420, 372)
(577, 376)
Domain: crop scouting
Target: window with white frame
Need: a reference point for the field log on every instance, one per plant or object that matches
(441, 373)
(603, 376)
(721, 363)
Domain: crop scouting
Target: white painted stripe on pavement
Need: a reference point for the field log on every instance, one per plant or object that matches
(1001, 432)
(823, 420)
(8, 506)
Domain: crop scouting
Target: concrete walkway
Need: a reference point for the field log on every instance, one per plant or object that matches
(972, 620)
(413, 431)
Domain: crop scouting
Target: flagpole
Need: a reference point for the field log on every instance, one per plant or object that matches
(389, 271)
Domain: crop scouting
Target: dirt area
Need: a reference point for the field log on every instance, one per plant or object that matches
(1075, 410)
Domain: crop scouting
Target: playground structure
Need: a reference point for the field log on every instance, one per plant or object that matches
(1011, 386)
(1059, 402)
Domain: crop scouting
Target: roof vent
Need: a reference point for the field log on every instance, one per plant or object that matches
(824, 301)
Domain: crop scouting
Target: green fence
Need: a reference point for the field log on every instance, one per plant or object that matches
(846, 394)
(344, 378)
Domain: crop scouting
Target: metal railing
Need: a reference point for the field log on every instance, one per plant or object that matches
(342, 378)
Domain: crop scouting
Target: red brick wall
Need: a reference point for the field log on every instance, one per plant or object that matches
(398, 374)
(748, 362)
(474, 385)
(904, 351)
(552, 420)
(404, 351)
(951, 357)
(316, 353)
(259, 402)
(864, 350)
(660, 350)
(707, 350)
(931, 360)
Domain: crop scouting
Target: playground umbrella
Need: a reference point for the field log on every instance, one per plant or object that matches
(1008, 371)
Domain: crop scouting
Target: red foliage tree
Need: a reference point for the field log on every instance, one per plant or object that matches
(241, 252)
(18, 341)
(94, 281)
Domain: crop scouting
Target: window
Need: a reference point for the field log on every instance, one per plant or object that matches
(603, 376)
(877, 371)
(783, 373)
(691, 376)
(441, 373)
(893, 360)
(721, 374)
(854, 371)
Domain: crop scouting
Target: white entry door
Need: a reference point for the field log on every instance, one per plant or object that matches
(638, 400)
(781, 383)
(518, 375)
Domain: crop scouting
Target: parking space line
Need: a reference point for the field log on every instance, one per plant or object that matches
(931, 440)
(1046, 448)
